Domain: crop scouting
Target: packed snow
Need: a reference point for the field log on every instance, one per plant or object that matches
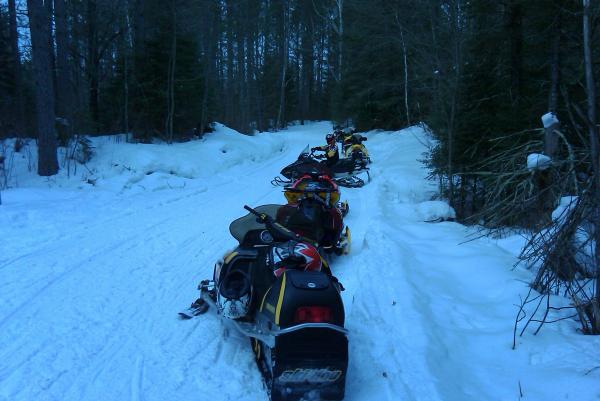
(95, 265)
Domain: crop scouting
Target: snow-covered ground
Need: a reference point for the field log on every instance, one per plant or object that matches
(92, 277)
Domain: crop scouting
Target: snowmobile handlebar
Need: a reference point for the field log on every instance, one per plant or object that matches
(253, 211)
(315, 156)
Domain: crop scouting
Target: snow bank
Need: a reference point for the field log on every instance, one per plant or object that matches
(433, 211)
(126, 166)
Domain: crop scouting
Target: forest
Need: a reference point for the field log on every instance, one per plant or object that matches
(478, 74)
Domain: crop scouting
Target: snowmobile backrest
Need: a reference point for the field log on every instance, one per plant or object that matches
(295, 290)
(305, 218)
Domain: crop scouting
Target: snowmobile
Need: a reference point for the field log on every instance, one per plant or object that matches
(294, 319)
(355, 149)
(344, 172)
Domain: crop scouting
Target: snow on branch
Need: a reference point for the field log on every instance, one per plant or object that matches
(549, 119)
(537, 161)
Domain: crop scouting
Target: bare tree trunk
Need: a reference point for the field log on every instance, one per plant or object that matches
(19, 109)
(127, 52)
(242, 80)
(405, 57)
(544, 179)
(208, 43)
(340, 32)
(93, 61)
(301, 112)
(515, 25)
(338, 28)
(49, 5)
(594, 144)
(308, 68)
(171, 77)
(456, 66)
(63, 73)
(555, 66)
(258, 62)
(550, 137)
(230, 114)
(44, 89)
(285, 56)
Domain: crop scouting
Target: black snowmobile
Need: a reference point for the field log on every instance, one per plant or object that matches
(344, 172)
(295, 321)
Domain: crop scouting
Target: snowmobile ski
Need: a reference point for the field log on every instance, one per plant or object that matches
(199, 307)
(350, 182)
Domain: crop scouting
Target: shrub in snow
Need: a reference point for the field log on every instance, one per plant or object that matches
(18, 145)
(564, 256)
(83, 150)
(582, 241)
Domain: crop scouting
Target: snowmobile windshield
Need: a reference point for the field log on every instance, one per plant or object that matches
(240, 227)
(305, 152)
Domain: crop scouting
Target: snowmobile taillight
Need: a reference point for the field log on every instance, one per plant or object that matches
(312, 314)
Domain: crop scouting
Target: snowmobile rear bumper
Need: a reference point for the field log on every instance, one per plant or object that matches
(262, 329)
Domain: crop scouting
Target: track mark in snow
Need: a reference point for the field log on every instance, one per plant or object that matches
(137, 379)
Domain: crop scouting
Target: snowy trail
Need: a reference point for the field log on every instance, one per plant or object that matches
(93, 278)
